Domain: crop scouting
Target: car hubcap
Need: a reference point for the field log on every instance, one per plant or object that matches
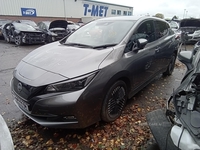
(116, 101)
(17, 40)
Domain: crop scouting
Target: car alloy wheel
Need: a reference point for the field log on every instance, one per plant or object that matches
(18, 40)
(170, 67)
(114, 101)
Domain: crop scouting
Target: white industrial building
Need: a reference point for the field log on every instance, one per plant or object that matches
(74, 10)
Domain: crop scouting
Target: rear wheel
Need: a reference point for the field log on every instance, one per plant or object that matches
(114, 101)
(170, 67)
(18, 40)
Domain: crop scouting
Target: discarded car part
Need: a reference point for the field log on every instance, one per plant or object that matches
(6, 141)
(178, 126)
(87, 76)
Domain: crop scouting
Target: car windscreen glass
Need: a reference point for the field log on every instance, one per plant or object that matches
(100, 32)
(29, 22)
(73, 26)
(23, 27)
(4, 22)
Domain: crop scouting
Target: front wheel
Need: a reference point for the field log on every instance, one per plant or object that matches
(170, 67)
(18, 40)
(114, 101)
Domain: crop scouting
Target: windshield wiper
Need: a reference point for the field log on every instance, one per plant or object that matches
(104, 46)
(78, 45)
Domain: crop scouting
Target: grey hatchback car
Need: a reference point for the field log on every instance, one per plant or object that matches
(89, 75)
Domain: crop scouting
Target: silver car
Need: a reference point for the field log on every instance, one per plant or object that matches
(89, 75)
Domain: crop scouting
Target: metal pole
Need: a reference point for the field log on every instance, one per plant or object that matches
(184, 13)
(64, 9)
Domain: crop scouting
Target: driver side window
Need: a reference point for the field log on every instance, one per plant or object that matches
(146, 31)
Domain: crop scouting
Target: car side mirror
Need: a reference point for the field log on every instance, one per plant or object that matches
(186, 58)
(141, 43)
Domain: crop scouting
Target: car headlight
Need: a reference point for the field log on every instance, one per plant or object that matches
(72, 84)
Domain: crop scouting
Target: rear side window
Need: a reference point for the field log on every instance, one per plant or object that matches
(161, 29)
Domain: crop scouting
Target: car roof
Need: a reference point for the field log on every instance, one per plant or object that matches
(135, 18)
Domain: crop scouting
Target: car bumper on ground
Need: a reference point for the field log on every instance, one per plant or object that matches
(160, 128)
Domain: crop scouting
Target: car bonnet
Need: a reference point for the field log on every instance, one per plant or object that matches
(65, 60)
(58, 24)
(190, 23)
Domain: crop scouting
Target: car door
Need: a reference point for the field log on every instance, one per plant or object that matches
(141, 63)
(166, 46)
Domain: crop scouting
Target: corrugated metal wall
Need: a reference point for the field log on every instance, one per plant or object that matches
(48, 8)
(58, 8)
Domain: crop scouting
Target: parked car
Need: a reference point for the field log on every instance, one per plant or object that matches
(20, 33)
(29, 22)
(192, 28)
(55, 30)
(2, 22)
(89, 75)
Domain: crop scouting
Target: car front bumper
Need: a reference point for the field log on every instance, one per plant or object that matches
(77, 109)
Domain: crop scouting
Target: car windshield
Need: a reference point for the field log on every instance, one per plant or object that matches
(32, 23)
(100, 32)
(4, 22)
(72, 26)
(23, 27)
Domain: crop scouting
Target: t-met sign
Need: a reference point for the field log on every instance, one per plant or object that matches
(95, 10)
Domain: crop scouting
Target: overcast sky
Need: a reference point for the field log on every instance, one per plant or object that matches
(168, 8)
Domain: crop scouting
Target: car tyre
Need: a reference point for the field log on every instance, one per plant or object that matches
(170, 67)
(114, 101)
(18, 40)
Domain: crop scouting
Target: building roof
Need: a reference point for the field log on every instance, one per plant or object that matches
(94, 1)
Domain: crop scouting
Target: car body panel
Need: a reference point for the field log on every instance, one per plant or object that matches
(61, 59)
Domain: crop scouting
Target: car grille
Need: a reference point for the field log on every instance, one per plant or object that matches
(60, 34)
(24, 93)
(34, 37)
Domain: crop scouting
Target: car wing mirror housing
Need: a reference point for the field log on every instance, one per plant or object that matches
(186, 58)
(141, 43)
